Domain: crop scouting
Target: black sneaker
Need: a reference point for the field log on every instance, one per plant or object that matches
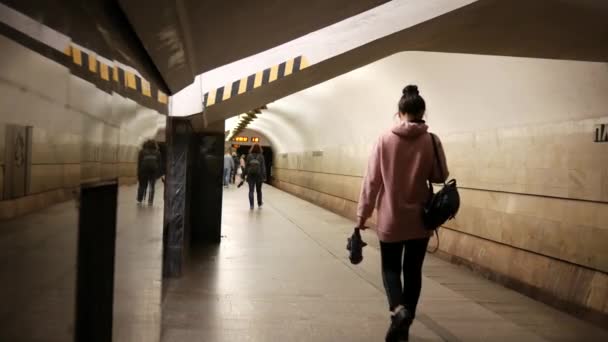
(400, 323)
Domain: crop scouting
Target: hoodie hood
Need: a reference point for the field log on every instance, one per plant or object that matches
(410, 129)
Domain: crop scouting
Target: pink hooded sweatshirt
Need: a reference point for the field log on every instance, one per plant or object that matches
(396, 181)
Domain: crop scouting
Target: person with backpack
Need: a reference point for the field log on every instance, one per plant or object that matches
(148, 170)
(401, 163)
(255, 170)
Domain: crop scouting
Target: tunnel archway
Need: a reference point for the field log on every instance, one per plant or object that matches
(242, 143)
(519, 136)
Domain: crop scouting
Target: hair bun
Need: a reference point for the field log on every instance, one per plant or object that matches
(411, 90)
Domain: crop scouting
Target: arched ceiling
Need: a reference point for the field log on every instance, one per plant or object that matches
(553, 29)
(170, 42)
(188, 37)
(464, 93)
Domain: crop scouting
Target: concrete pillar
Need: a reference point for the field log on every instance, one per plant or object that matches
(207, 171)
(176, 232)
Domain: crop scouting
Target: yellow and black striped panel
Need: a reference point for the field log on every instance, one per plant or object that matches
(105, 74)
(114, 73)
(256, 80)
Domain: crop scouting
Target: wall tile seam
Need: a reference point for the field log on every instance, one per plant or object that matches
(42, 192)
(574, 199)
(461, 231)
(319, 191)
(538, 251)
(319, 172)
(56, 164)
(66, 194)
(538, 127)
(465, 187)
(522, 286)
(499, 214)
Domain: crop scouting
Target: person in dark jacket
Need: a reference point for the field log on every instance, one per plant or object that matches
(148, 170)
(256, 173)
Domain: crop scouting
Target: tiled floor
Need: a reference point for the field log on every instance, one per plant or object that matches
(281, 274)
(37, 273)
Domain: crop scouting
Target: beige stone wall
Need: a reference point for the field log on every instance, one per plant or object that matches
(2, 133)
(79, 132)
(570, 287)
(542, 188)
(519, 138)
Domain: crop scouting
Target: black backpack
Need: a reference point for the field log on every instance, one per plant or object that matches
(150, 162)
(443, 205)
(254, 167)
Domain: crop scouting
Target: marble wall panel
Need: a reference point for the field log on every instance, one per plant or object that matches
(557, 159)
(532, 273)
(55, 148)
(45, 177)
(565, 229)
(90, 171)
(579, 286)
(1, 181)
(553, 160)
(86, 98)
(2, 142)
(33, 72)
(71, 175)
(109, 147)
(128, 153)
(109, 171)
(76, 126)
(127, 169)
(571, 230)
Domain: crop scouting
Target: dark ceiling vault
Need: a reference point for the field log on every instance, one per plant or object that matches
(170, 42)
(188, 37)
(98, 25)
(554, 29)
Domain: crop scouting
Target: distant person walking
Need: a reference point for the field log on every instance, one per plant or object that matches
(228, 167)
(401, 162)
(235, 167)
(243, 163)
(255, 170)
(148, 170)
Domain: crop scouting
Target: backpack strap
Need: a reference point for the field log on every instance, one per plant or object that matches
(434, 250)
(435, 152)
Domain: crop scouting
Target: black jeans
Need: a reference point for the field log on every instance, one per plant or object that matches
(407, 257)
(146, 182)
(257, 186)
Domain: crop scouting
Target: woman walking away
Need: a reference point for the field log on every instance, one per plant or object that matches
(256, 173)
(148, 170)
(396, 184)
